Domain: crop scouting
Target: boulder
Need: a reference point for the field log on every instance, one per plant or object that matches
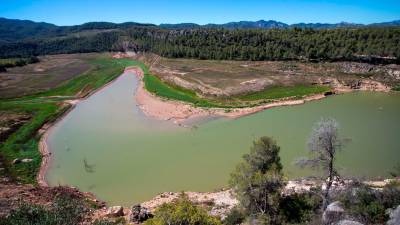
(115, 211)
(26, 160)
(348, 222)
(328, 93)
(333, 213)
(394, 216)
(16, 161)
(139, 214)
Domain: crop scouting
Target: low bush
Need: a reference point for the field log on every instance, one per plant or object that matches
(368, 205)
(235, 216)
(182, 212)
(300, 208)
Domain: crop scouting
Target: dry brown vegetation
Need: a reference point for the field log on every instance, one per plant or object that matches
(50, 72)
(227, 78)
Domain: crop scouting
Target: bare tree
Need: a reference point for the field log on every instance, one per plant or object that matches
(323, 144)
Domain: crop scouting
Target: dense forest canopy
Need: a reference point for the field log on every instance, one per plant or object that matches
(273, 44)
(368, 43)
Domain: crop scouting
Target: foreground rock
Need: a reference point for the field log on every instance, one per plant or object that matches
(221, 202)
(348, 222)
(333, 213)
(139, 214)
(394, 217)
(115, 211)
(16, 161)
(26, 160)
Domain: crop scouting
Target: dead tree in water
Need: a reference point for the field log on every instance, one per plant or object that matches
(323, 144)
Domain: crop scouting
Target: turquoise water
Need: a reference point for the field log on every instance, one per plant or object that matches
(108, 147)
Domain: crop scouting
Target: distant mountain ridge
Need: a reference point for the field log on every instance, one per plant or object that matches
(272, 24)
(15, 29)
(12, 30)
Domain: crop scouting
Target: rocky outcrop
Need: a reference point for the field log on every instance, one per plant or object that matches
(369, 85)
(348, 222)
(139, 214)
(220, 202)
(18, 160)
(394, 216)
(27, 160)
(333, 213)
(391, 71)
(115, 211)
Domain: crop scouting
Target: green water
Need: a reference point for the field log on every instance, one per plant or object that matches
(108, 147)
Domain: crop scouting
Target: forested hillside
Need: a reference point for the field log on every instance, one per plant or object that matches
(274, 44)
(371, 44)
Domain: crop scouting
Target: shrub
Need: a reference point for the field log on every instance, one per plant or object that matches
(235, 216)
(369, 205)
(299, 208)
(182, 212)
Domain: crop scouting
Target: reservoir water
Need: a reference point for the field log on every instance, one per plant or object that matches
(105, 145)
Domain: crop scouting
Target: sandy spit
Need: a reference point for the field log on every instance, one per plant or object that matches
(177, 111)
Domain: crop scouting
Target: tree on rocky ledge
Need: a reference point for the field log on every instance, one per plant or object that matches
(258, 181)
(323, 144)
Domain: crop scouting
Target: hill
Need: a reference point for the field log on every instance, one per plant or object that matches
(267, 40)
(12, 30)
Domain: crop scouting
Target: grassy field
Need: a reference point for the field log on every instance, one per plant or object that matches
(23, 143)
(223, 79)
(284, 92)
(234, 78)
(51, 72)
(8, 61)
(172, 91)
(105, 70)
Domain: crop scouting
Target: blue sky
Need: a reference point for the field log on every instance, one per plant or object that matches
(71, 12)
